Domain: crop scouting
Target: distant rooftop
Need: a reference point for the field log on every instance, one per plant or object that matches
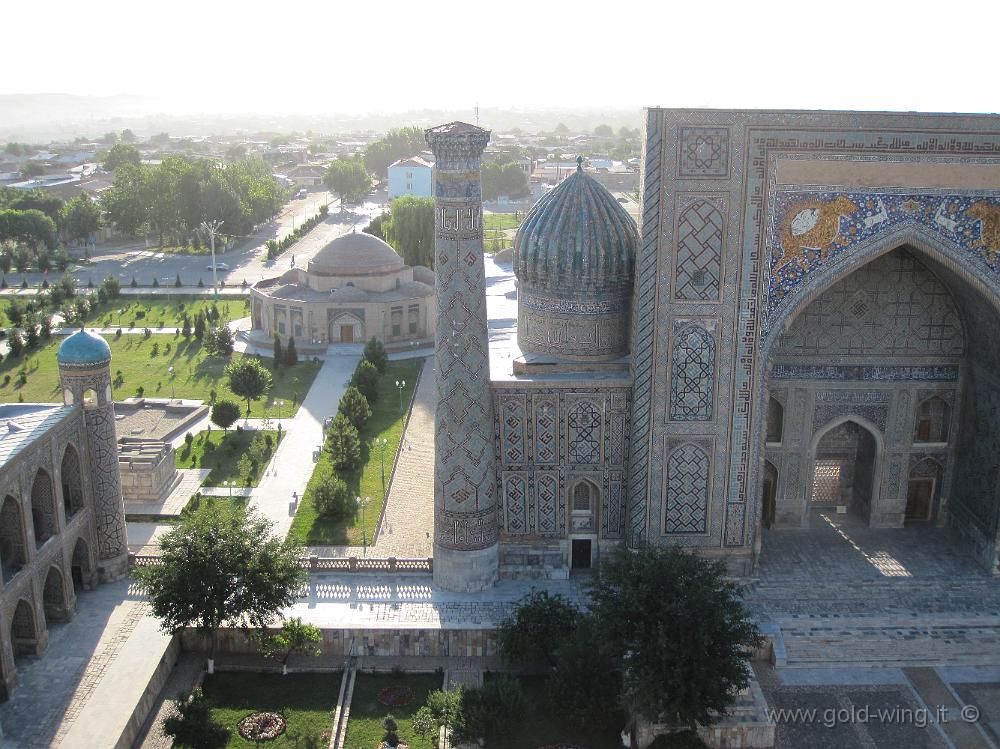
(21, 424)
(413, 161)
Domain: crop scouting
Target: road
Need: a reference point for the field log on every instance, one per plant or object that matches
(247, 262)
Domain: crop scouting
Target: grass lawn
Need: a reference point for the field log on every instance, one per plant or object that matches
(144, 362)
(163, 311)
(364, 726)
(221, 451)
(542, 725)
(199, 500)
(502, 221)
(308, 528)
(306, 700)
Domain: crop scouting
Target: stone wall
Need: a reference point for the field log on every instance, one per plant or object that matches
(148, 469)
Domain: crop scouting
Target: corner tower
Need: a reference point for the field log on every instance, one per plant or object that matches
(466, 556)
(85, 375)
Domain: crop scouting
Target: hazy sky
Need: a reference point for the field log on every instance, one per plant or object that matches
(302, 56)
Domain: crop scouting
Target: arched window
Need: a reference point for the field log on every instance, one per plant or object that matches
(583, 497)
(72, 485)
(89, 398)
(11, 538)
(43, 510)
(933, 421)
(775, 420)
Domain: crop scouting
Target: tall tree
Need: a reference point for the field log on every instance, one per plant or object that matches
(398, 143)
(225, 413)
(248, 378)
(221, 564)
(410, 229)
(121, 154)
(81, 217)
(125, 201)
(348, 178)
(29, 226)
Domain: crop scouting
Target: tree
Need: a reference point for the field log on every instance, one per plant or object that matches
(219, 340)
(128, 136)
(348, 178)
(375, 353)
(561, 129)
(533, 633)
(604, 131)
(291, 355)
(27, 200)
(199, 325)
(585, 683)
(684, 659)
(295, 636)
(490, 712)
(191, 724)
(82, 217)
(279, 353)
(344, 444)
(15, 343)
(186, 327)
(248, 378)
(121, 154)
(398, 143)
(111, 286)
(355, 407)
(365, 379)
(221, 564)
(443, 708)
(332, 499)
(503, 179)
(126, 200)
(225, 413)
(29, 226)
(410, 229)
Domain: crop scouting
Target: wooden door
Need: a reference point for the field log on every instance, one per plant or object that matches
(347, 334)
(919, 499)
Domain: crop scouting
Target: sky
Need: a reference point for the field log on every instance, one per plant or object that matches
(363, 56)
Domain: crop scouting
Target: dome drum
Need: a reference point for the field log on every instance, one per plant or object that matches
(574, 329)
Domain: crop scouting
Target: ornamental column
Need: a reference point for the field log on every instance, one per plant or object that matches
(466, 555)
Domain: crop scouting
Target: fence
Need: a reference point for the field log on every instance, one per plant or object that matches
(331, 564)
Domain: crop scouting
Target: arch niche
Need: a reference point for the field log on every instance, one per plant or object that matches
(81, 569)
(57, 608)
(72, 482)
(879, 376)
(43, 507)
(12, 552)
(24, 635)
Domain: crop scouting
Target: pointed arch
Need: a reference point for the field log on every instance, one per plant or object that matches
(24, 633)
(71, 475)
(12, 538)
(81, 568)
(54, 596)
(43, 507)
(585, 496)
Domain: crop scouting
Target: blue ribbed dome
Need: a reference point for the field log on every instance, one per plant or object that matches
(84, 348)
(577, 238)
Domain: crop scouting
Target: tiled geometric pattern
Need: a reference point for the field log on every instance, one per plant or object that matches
(515, 504)
(584, 428)
(692, 382)
(546, 432)
(546, 489)
(698, 264)
(703, 152)
(512, 427)
(687, 490)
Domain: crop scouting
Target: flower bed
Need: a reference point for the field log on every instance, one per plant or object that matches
(262, 726)
(395, 696)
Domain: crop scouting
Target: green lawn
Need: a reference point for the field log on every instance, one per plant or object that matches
(306, 700)
(502, 221)
(163, 311)
(144, 362)
(308, 528)
(364, 726)
(200, 500)
(221, 451)
(541, 725)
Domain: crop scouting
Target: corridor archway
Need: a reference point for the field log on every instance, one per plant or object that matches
(845, 461)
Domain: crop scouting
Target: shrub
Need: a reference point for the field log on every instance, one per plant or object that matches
(539, 623)
(16, 343)
(355, 407)
(201, 284)
(134, 284)
(375, 353)
(291, 355)
(177, 281)
(682, 740)
(344, 444)
(491, 711)
(365, 379)
(279, 352)
(332, 499)
(156, 283)
(191, 723)
(219, 340)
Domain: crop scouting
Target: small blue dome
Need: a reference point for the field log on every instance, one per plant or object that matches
(84, 348)
(576, 240)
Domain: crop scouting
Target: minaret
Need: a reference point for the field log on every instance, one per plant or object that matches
(85, 373)
(466, 555)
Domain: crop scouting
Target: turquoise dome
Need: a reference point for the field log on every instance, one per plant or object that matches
(84, 349)
(577, 238)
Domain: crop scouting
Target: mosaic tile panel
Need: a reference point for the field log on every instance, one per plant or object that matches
(584, 433)
(692, 381)
(515, 495)
(703, 152)
(687, 486)
(546, 493)
(512, 430)
(698, 259)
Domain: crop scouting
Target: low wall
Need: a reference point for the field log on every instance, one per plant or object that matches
(432, 643)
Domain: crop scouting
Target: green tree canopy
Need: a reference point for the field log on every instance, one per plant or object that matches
(604, 131)
(375, 353)
(121, 154)
(537, 627)
(355, 407)
(25, 200)
(125, 201)
(396, 144)
(81, 216)
(410, 229)
(343, 443)
(365, 379)
(248, 378)
(348, 178)
(225, 413)
(221, 564)
(503, 179)
(31, 226)
(680, 630)
(295, 636)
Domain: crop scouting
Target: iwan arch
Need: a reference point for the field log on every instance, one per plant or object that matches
(813, 304)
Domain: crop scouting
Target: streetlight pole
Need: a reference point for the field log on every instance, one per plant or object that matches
(170, 371)
(400, 384)
(280, 404)
(364, 530)
(212, 227)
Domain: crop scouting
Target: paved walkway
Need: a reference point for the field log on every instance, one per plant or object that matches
(182, 680)
(292, 465)
(407, 528)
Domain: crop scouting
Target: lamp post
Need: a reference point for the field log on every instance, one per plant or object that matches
(362, 503)
(230, 485)
(280, 404)
(120, 317)
(211, 227)
(400, 384)
(382, 442)
(170, 371)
